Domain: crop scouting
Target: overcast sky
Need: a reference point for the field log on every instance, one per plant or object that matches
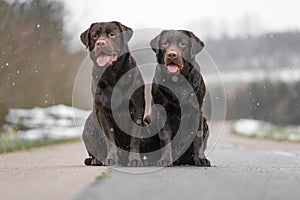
(209, 18)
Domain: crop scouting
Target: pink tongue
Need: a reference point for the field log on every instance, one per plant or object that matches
(172, 68)
(102, 60)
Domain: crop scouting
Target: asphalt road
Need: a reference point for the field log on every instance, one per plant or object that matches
(52, 172)
(241, 171)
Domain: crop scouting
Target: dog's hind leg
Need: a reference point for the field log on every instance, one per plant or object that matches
(93, 139)
(200, 143)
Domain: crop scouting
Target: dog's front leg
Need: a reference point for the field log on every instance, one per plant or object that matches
(112, 150)
(134, 159)
(165, 136)
(137, 109)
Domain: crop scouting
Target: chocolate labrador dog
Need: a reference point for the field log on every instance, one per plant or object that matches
(108, 46)
(175, 52)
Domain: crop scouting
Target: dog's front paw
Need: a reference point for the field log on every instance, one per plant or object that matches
(135, 163)
(110, 162)
(111, 159)
(164, 163)
(202, 162)
(134, 160)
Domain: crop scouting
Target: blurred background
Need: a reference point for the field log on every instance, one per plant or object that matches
(255, 45)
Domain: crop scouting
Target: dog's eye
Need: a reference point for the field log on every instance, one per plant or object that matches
(182, 44)
(165, 44)
(112, 35)
(95, 36)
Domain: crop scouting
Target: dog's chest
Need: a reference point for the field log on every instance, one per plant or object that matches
(175, 91)
(112, 89)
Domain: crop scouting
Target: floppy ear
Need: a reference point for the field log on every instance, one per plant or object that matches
(85, 36)
(196, 44)
(126, 31)
(154, 43)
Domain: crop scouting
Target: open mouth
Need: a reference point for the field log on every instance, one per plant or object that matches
(104, 59)
(173, 68)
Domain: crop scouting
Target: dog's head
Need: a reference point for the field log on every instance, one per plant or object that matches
(175, 48)
(106, 41)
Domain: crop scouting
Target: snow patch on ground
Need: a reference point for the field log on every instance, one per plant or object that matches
(58, 121)
(247, 127)
(262, 129)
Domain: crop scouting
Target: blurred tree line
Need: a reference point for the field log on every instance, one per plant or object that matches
(274, 102)
(272, 50)
(36, 68)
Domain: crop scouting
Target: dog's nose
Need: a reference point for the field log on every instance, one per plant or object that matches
(172, 55)
(101, 43)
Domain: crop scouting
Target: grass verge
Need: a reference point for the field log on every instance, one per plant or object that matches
(15, 144)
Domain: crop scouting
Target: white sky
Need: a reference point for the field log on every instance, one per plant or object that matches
(209, 18)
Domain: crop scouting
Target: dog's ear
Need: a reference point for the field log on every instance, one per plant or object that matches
(154, 43)
(196, 44)
(85, 36)
(126, 31)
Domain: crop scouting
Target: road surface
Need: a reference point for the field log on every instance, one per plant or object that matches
(52, 172)
(243, 169)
